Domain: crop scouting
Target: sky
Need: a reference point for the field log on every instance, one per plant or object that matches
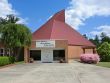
(90, 17)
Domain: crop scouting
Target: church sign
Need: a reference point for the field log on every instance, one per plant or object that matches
(45, 43)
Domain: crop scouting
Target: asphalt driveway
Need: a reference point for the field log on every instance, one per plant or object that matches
(54, 73)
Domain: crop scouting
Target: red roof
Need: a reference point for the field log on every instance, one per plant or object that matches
(56, 28)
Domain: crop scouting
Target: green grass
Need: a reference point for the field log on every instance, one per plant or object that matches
(104, 64)
(20, 62)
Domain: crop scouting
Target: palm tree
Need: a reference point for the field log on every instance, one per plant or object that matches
(14, 36)
(12, 19)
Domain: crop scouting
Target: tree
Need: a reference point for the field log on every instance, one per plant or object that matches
(104, 51)
(104, 38)
(9, 19)
(12, 19)
(2, 23)
(15, 36)
(85, 36)
(95, 41)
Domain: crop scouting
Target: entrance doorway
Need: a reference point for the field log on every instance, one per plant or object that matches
(58, 54)
(47, 55)
(35, 54)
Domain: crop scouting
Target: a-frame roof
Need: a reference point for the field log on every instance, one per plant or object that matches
(56, 29)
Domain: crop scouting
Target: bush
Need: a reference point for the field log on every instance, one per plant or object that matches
(6, 60)
(12, 59)
(89, 58)
(104, 52)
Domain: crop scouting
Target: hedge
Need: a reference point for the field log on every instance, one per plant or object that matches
(6, 60)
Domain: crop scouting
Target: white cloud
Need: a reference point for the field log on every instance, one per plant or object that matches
(100, 29)
(22, 21)
(6, 9)
(80, 10)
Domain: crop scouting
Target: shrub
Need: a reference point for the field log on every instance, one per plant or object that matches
(4, 61)
(12, 59)
(104, 52)
(89, 58)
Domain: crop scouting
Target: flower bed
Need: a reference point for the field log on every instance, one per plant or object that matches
(89, 58)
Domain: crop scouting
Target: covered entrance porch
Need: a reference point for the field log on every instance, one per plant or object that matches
(47, 55)
(47, 51)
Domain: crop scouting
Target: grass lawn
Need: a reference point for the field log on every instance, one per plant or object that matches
(104, 64)
(20, 62)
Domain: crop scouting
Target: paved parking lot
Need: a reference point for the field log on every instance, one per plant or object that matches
(54, 73)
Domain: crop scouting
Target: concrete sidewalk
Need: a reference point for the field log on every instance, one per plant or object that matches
(55, 73)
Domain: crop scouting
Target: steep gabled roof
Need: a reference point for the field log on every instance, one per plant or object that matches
(56, 28)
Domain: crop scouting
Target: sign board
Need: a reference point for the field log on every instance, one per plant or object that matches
(45, 43)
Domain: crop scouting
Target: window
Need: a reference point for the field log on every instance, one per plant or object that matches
(7, 52)
(1, 52)
(4, 52)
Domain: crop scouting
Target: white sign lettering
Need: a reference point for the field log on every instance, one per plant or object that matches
(45, 43)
